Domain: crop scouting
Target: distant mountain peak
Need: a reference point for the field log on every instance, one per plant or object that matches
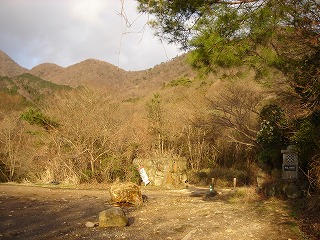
(46, 70)
(95, 62)
(4, 56)
(47, 64)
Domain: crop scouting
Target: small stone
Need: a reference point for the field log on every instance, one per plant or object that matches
(91, 224)
(210, 195)
(189, 235)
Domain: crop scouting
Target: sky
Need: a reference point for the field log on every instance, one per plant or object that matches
(66, 32)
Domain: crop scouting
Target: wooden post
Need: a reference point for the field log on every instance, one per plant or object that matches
(234, 183)
(212, 183)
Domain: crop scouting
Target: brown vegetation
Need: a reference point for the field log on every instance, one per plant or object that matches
(94, 132)
(164, 111)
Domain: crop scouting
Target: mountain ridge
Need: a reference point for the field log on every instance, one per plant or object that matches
(100, 73)
(83, 73)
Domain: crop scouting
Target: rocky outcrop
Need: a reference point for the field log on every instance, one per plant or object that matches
(166, 171)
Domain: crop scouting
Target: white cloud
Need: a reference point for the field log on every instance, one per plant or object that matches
(68, 31)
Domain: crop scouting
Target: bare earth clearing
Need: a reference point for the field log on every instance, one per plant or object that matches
(29, 212)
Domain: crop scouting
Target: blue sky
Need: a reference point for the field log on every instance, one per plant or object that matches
(65, 32)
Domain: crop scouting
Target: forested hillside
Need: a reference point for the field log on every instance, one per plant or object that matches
(93, 133)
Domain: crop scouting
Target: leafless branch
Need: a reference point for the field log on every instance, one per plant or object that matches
(237, 2)
(128, 24)
(240, 142)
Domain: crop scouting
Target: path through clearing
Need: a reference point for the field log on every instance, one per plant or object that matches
(29, 212)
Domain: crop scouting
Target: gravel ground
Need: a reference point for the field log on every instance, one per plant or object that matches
(31, 212)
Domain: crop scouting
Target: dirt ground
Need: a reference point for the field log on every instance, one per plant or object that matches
(52, 212)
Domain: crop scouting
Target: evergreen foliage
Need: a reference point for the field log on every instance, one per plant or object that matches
(272, 135)
(183, 81)
(283, 34)
(307, 138)
(36, 117)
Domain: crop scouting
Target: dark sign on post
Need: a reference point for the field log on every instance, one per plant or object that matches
(289, 168)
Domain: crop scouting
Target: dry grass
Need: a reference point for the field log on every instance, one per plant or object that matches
(240, 195)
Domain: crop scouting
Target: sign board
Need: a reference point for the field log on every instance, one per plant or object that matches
(290, 163)
(144, 176)
(289, 168)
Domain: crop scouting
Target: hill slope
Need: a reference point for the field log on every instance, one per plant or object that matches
(9, 67)
(25, 89)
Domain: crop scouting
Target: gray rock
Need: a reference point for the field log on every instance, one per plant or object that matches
(292, 191)
(270, 190)
(262, 178)
(210, 195)
(113, 217)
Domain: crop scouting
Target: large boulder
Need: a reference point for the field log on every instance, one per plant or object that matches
(292, 190)
(113, 217)
(127, 192)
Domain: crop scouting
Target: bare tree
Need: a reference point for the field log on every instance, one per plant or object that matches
(14, 152)
(235, 108)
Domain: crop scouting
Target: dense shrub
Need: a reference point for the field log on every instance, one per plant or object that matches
(272, 135)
